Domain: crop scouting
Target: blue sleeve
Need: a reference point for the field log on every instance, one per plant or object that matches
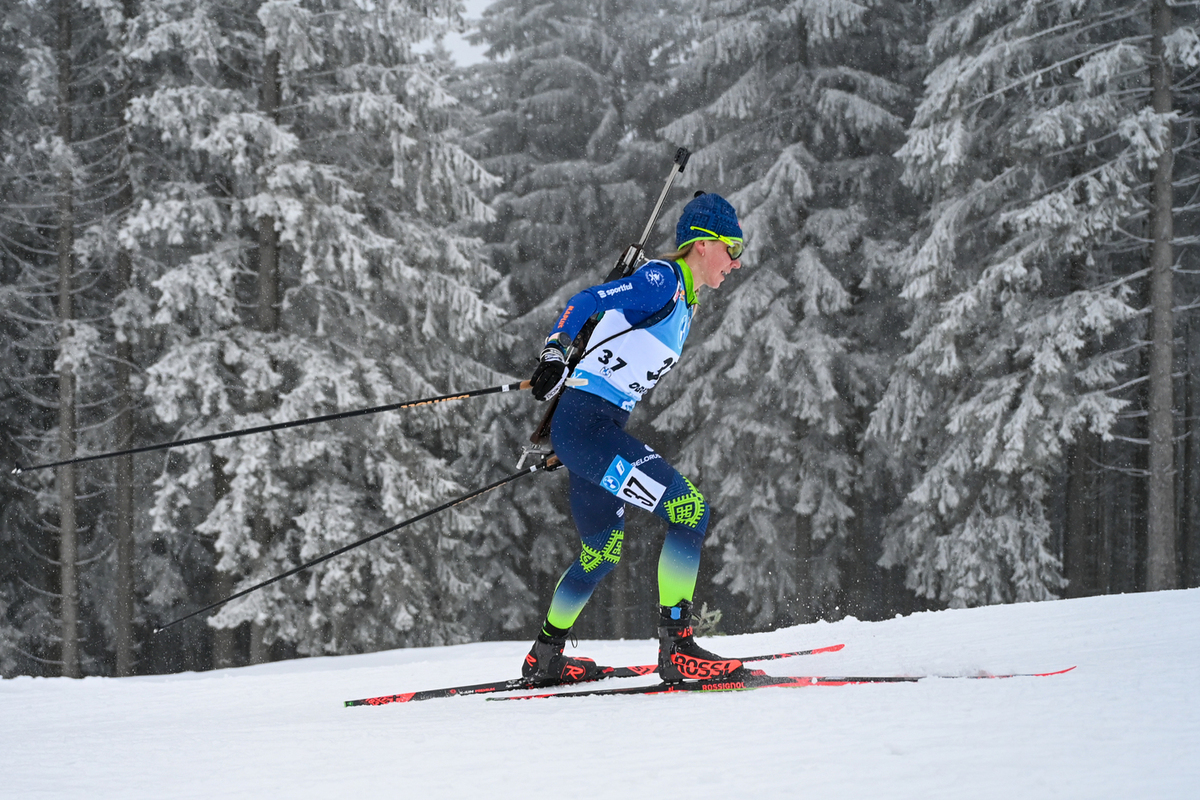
(647, 290)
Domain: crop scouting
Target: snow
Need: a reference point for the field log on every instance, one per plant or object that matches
(1124, 724)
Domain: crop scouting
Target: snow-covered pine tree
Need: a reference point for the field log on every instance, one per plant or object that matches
(795, 109)
(1035, 141)
(25, 616)
(308, 151)
(1162, 567)
(569, 103)
(128, 293)
(108, 78)
(59, 166)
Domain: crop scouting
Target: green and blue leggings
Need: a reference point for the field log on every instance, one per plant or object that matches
(608, 470)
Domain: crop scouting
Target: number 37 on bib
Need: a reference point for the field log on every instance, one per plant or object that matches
(632, 485)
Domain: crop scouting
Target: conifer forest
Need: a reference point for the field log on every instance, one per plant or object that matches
(959, 366)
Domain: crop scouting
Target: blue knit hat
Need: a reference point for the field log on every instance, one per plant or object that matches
(710, 212)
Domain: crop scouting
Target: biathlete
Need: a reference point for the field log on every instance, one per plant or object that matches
(637, 341)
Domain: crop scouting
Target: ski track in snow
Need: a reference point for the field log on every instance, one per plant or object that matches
(1125, 724)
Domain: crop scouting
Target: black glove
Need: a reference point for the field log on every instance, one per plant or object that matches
(551, 373)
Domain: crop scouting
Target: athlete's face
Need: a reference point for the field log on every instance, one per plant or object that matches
(711, 263)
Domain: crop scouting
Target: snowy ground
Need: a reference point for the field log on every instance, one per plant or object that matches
(1125, 724)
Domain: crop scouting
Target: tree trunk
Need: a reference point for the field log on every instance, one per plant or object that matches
(224, 640)
(801, 610)
(1191, 471)
(1081, 546)
(1082, 531)
(268, 237)
(68, 545)
(1108, 489)
(268, 275)
(123, 529)
(268, 315)
(123, 438)
(260, 651)
(1161, 571)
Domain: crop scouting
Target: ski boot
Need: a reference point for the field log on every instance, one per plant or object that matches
(546, 665)
(679, 657)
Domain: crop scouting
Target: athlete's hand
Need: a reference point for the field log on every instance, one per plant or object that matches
(551, 373)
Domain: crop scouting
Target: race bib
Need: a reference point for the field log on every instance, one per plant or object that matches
(632, 485)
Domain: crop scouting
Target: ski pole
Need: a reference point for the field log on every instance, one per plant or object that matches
(623, 269)
(546, 465)
(212, 437)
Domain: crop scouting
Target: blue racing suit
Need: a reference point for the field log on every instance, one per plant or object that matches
(646, 320)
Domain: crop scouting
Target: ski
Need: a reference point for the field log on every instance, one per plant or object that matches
(518, 684)
(757, 679)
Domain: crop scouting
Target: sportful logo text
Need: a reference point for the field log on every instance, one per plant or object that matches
(624, 287)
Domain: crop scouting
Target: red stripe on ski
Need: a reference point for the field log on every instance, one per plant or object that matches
(757, 679)
(1009, 675)
(833, 648)
(1046, 674)
(391, 698)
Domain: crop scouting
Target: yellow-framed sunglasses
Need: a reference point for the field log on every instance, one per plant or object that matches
(734, 247)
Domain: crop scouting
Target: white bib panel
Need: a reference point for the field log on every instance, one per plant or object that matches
(623, 369)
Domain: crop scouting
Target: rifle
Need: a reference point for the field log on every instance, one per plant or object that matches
(626, 264)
